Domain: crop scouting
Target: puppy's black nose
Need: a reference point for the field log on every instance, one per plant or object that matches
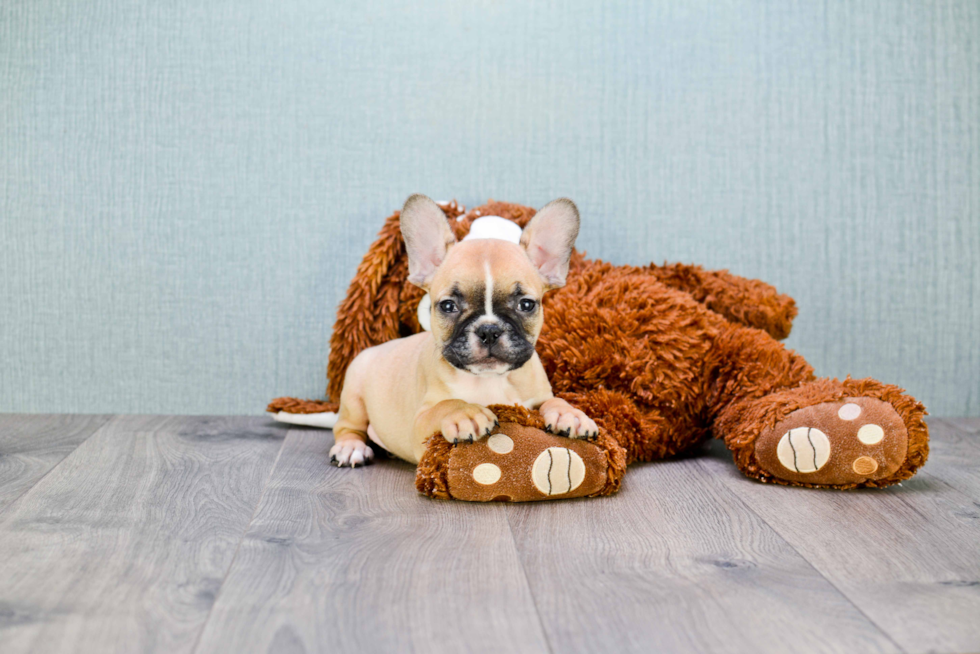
(489, 333)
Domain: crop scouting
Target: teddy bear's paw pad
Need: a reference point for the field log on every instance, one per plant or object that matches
(558, 470)
(803, 449)
(848, 442)
(522, 464)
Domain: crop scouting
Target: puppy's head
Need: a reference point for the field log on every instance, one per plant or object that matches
(486, 293)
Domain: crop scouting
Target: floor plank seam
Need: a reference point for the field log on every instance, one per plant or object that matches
(530, 590)
(710, 474)
(238, 547)
(37, 481)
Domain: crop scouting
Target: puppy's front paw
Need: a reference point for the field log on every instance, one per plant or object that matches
(569, 421)
(351, 452)
(469, 423)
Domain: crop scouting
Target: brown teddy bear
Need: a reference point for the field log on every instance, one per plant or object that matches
(662, 358)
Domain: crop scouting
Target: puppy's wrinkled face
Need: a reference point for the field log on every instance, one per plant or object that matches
(486, 306)
(486, 293)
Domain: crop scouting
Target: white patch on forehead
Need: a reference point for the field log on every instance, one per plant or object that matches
(494, 227)
(488, 295)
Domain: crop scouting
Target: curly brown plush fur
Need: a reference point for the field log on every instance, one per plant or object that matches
(661, 357)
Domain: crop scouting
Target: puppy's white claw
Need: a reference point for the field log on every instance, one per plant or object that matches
(351, 452)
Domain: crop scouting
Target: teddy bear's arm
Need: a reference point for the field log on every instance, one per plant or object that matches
(746, 301)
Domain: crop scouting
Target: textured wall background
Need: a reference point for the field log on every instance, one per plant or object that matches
(186, 187)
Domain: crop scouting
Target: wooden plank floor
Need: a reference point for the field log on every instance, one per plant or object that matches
(198, 534)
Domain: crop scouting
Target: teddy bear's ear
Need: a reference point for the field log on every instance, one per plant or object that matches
(549, 239)
(427, 237)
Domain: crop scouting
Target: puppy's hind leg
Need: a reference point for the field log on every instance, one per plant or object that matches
(350, 433)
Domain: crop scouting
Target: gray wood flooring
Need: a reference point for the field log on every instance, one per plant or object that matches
(234, 534)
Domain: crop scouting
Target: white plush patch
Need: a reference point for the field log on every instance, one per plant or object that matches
(803, 449)
(849, 412)
(557, 470)
(870, 434)
(326, 420)
(486, 474)
(864, 465)
(494, 227)
(500, 443)
(425, 312)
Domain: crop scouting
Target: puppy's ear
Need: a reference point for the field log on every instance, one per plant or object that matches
(549, 239)
(427, 237)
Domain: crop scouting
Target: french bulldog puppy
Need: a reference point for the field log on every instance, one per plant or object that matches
(486, 315)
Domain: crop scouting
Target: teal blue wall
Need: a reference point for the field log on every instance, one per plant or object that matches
(186, 187)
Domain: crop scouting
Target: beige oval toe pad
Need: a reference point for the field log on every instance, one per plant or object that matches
(804, 449)
(557, 470)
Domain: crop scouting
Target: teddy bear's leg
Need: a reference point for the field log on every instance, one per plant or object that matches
(644, 432)
(749, 302)
(784, 426)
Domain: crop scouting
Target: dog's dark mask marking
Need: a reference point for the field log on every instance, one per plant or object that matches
(505, 333)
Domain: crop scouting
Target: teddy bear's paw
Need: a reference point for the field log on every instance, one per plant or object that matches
(853, 441)
(520, 464)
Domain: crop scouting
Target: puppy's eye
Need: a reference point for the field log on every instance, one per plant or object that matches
(448, 306)
(527, 305)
